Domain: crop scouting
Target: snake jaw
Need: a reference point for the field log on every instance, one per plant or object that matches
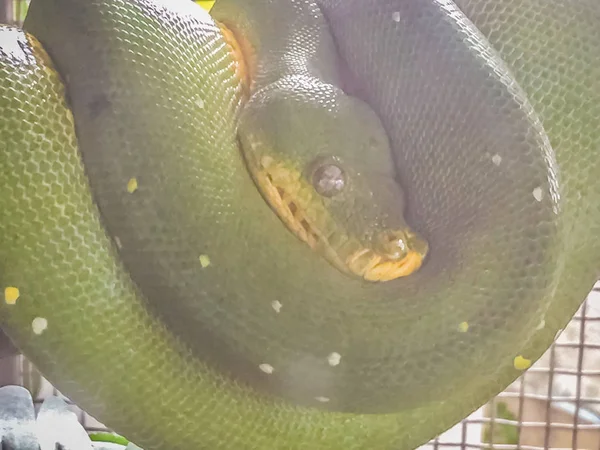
(399, 253)
(374, 267)
(285, 200)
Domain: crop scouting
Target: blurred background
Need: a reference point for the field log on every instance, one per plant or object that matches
(554, 405)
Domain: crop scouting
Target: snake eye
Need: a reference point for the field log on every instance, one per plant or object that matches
(329, 180)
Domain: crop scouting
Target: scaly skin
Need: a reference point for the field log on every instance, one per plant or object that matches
(499, 178)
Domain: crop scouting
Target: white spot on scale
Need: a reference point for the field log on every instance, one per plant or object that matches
(497, 159)
(266, 368)
(396, 16)
(322, 399)
(39, 325)
(334, 359)
(541, 325)
(200, 103)
(538, 194)
(266, 161)
(276, 305)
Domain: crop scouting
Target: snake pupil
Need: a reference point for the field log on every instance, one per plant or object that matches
(329, 180)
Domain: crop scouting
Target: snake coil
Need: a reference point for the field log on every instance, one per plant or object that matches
(147, 278)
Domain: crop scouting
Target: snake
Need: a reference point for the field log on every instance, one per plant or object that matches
(295, 224)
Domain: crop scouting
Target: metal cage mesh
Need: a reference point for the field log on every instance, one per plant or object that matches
(554, 405)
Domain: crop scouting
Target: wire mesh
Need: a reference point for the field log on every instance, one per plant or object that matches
(554, 405)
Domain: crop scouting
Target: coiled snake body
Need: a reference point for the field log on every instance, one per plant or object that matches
(295, 225)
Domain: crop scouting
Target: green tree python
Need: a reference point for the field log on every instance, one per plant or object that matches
(289, 224)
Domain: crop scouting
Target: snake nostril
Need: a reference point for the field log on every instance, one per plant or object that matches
(392, 244)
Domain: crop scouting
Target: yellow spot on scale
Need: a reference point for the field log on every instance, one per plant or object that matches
(463, 327)
(11, 294)
(206, 4)
(521, 363)
(132, 185)
(204, 260)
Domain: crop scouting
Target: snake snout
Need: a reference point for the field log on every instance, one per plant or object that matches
(392, 244)
(395, 254)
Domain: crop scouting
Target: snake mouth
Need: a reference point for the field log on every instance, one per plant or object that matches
(375, 266)
(294, 202)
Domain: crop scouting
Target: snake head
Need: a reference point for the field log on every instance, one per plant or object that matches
(322, 161)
